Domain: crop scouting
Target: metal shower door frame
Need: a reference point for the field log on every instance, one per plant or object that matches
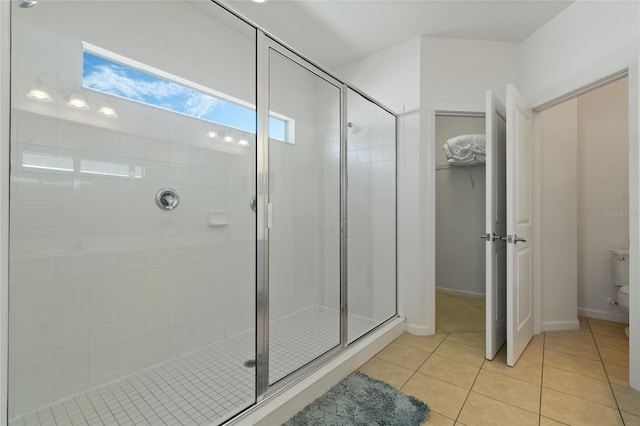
(265, 45)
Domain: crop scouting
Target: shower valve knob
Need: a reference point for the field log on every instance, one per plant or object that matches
(167, 199)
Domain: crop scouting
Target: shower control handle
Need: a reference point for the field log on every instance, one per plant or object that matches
(167, 199)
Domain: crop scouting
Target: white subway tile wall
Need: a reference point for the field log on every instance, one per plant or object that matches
(104, 283)
(371, 167)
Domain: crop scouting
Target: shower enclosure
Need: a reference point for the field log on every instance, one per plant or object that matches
(179, 211)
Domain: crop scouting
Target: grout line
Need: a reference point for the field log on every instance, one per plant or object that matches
(606, 373)
(470, 387)
(544, 340)
(423, 362)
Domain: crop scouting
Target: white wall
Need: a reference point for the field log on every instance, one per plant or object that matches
(585, 42)
(391, 76)
(603, 195)
(460, 213)
(556, 134)
(455, 73)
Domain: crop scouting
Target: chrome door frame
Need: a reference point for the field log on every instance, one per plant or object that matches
(265, 45)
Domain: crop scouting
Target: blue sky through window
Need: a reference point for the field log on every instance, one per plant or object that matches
(116, 79)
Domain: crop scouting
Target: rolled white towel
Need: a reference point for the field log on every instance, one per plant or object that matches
(466, 149)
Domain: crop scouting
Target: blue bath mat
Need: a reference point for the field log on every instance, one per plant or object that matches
(359, 400)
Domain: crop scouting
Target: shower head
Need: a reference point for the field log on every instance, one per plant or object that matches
(26, 3)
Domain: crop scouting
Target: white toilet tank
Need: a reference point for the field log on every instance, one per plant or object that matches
(619, 266)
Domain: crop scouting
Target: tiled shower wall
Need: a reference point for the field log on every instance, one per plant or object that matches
(371, 166)
(102, 282)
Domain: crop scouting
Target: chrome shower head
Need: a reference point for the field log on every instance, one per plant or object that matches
(25, 4)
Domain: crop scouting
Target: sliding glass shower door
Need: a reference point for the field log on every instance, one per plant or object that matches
(304, 214)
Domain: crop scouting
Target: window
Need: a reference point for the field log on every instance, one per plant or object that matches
(112, 74)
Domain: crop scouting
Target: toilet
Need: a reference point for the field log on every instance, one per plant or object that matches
(620, 275)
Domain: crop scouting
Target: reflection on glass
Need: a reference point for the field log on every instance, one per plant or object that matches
(35, 160)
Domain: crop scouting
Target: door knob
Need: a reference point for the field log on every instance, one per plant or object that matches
(490, 237)
(514, 239)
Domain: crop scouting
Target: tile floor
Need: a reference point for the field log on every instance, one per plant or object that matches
(457, 314)
(565, 377)
(203, 387)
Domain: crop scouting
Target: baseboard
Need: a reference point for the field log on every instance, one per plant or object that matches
(466, 293)
(560, 325)
(419, 330)
(283, 406)
(603, 315)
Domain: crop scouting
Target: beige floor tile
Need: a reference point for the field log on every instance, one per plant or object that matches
(462, 353)
(549, 422)
(403, 356)
(611, 356)
(617, 374)
(480, 410)
(574, 364)
(450, 371)
(570, 347)
(596, 321)
(576, 411)
(611, 342)
(584, 326)
(630, 419)
(386, 371)
(506, 389)
(475, 339)
(424, 343)
(608, 331)
(442, 397)
(578, 336)
(437, 419)
(574, 384)
(533, 353)
(537, 339)
(523, 370)
(628, 399)
(458, 314)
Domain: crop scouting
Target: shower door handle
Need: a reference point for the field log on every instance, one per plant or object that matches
(253, 203)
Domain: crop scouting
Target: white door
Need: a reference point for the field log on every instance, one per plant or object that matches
(519, 226)
(496, 225)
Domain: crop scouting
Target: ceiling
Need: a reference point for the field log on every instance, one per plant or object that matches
(336, 32)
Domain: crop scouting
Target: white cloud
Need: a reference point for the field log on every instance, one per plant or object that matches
(116, 80)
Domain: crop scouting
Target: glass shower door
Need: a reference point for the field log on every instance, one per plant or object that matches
(371, 219)
(304, 199)
(132, 240)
